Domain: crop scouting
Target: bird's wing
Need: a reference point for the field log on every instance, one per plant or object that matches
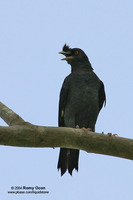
(102, 96)
(63, 101)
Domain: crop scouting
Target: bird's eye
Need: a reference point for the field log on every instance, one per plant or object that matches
(76, 52)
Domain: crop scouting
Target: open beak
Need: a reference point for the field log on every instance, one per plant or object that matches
(66, 53)
(67, 58)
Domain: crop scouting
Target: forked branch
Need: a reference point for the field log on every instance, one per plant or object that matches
(23, 134)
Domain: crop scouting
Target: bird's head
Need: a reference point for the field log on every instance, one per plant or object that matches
(73, 56)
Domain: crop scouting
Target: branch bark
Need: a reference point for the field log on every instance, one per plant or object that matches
(23, 134)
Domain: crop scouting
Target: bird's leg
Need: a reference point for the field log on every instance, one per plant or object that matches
(86, 130)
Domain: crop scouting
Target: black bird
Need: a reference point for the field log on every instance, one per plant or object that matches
(81, 99)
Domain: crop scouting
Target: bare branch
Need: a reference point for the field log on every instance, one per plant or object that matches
(24, 134)
(10, 117)
(39, 136)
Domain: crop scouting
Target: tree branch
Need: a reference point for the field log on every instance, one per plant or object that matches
(29, 135)
(10, 117)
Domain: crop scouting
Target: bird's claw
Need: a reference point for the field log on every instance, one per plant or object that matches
(86, 130)
(110, 134)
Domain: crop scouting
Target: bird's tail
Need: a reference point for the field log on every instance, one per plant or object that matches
(68, 159)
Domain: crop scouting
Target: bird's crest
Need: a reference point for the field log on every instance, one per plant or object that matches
(66, 48)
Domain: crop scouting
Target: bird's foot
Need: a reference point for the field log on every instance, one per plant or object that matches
(86, 130)
(110, 134)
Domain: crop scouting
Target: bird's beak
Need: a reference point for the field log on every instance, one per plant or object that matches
(66, 53)
(68, 58)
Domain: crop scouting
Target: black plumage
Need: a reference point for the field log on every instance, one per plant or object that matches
(81, 98)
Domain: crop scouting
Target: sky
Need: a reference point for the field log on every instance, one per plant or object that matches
(31, 75)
